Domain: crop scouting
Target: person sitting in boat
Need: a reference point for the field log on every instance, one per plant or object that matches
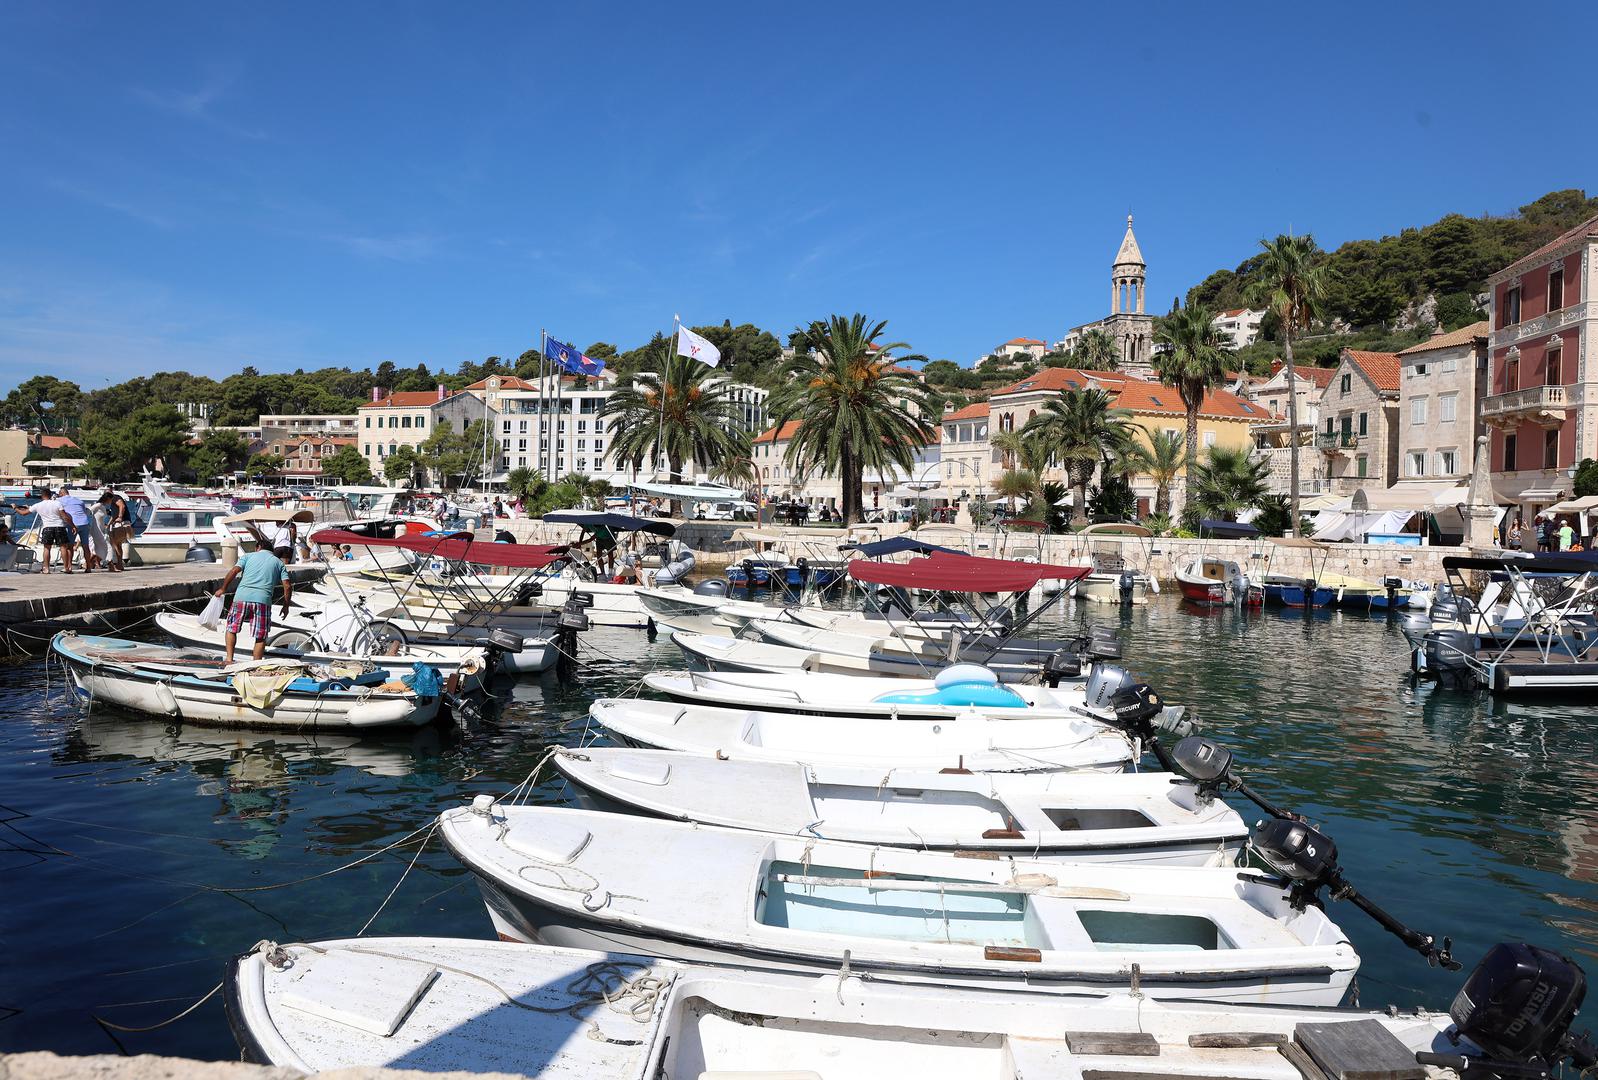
(259, 574)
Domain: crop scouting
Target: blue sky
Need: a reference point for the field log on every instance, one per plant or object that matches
(204, 186)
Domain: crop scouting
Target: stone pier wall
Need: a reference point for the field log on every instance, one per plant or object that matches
(714, 549)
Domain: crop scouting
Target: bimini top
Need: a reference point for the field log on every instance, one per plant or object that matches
(1558, 562)
(1227, 530)
(458, 548)
(595, 519)
(962, 573)
(1116, 528)
(893, 545)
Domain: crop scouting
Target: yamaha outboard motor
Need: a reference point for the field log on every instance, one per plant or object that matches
(1448, 655)
(1307, 859)
(713, 587)
(1518, 1006)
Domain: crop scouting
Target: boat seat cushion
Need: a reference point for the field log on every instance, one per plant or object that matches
(978, 695)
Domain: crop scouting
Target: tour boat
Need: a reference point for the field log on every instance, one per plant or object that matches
(192, 685)
(450, 1005)
(581, 879)
(175, 524)
(1142, 818)
(1209, 580)
(972, 740)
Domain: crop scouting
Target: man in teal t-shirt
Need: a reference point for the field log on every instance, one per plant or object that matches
(259, 574)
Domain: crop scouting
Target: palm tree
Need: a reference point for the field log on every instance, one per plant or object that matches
(1080, 430)
(1193, 362)
(1164, 456)
(678, 410)
(1291, 282)
(1228, 481)
(856, 409)
(1097, 350)
(1018, 485)
(1019, 450)
(736, 470)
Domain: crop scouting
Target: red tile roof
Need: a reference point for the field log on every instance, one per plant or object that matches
(970, 412)
(774, 434)
(506, 382)
(1229, 312)
(1586, 230)
(54, 442)
(1023, 341)
(408, 399)
(1382, 368)
(1463, 336)
(1060, 378)
(1146, 397)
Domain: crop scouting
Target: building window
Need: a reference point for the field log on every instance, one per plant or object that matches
(1448, 462)
(1511, 371)
(1417, 411)
(504, 444)
(1360, 466)
(368, 421)
(421, 421)
(1209, 439)
(1363, 428)
(1447, 408)
(1510, 447)
(1174, 433)
(599, 446)
(1417, 463)
(1510, 315)
(1418, 370)
(1551, 363)
(582, 444)
(582, 464)
(505, 427)
(1345, 384)
(1551, 449)
(1447, 367)
(521, 445)
(1556, 288)
(582, 427)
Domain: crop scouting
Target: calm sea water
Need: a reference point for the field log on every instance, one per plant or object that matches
(1465, 815)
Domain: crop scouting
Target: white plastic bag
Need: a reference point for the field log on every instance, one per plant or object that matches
(212, 615)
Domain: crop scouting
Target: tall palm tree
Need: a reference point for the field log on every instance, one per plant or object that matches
(1080, 430)
(1229, 480)
(736, 470)
(1161, 460)
(1097, 350)
(676, 409)
(1193, 362)
(1018, 486)
(856, 408)
(1291, 281)
(1019, 451)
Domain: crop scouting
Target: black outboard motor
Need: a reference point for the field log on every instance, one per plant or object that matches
(1448, 654)
(530, 591)
(749, 576)
(1102, 645)
(1307, 858)
(713, 587)
(1128, 583)
(1518, 1006)
(1136, 707)
(573, 618)
(1061, 664)
(1209, 765)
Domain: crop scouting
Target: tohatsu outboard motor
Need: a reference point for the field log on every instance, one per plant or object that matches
(1061, 664)
(1307, 859)
(1518, 1006)
(1102, 644)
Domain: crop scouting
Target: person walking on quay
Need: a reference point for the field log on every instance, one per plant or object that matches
(1567, 535)
(1544, 534)
(259, 574)
(78, 520)
(53, 531)
(118, 526)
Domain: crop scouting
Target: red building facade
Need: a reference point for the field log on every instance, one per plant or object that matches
(1541, 406)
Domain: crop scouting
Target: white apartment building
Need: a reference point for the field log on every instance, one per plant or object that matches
(1238, 327)
(1441, 382)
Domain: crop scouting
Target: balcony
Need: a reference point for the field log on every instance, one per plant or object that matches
(1336, 441)
(1544, 405)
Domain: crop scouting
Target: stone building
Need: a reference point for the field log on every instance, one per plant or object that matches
(1359, 422)
(1442, 380)
(1128, 323)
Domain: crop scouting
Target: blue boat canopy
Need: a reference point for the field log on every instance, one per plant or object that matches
(594, 519)
(893, 545)
(1559, 562)
(1227, 530)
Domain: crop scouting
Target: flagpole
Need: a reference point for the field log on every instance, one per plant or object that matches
(660, 429)
(560, 417)
(543, 417)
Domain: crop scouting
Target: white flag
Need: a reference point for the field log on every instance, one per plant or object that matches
(694, 347)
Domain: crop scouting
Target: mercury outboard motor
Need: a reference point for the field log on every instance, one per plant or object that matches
(1307, 859)
(713, 587)
(1140, 712)
(1517, 1006)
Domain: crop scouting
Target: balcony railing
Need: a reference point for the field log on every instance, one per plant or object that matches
(1530, 399)
(1336, 440)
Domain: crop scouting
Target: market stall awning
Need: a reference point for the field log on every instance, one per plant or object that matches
(1584, 505)
(596, 519)
(962, 573)
(457, 548)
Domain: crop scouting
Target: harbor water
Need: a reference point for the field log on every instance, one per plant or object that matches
(137, 857)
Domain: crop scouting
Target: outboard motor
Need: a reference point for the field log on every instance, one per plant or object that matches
(1103, 683)
(1307, 859)
(198, 552)
(1518, 1006)
(1128, 583)
(1208, 765)
(530, 591)
(1141, 713)
(1061, 664)
(713, 587)
(1102, 645)
(1448, 654)
(573, 618)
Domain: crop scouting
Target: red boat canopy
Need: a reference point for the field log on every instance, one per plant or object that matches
(962, 573)
(461, 548)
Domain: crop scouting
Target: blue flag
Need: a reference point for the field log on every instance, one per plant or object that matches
(570, 360)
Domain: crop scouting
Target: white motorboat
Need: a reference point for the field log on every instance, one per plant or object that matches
(176, 524)
(971, 740)
(491, 1007)
(1012, 659)
(193, 686)
(353, 627)
(704, 613)
(1146, 818)
(689, 892)
(952, 691)
(465, 669)
(1115, 578)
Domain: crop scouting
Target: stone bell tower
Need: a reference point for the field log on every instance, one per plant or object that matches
(1132, 327)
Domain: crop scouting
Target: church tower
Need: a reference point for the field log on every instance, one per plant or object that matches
(1132, 327)
(1127, 275)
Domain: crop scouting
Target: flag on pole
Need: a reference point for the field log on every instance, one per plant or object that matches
(570, 360)
(694, 347)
